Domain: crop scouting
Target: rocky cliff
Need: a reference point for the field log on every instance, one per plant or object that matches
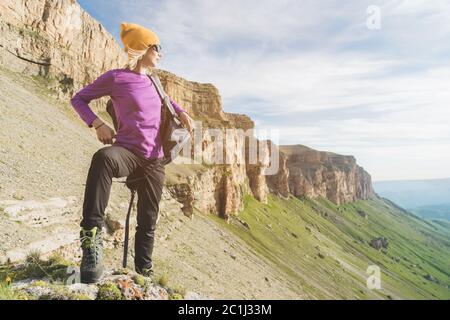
(315, 174)
(60, 42)
(57, 40)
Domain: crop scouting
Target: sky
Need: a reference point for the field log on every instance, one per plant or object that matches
(345, 77)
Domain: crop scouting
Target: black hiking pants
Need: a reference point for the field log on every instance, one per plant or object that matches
(116, 161)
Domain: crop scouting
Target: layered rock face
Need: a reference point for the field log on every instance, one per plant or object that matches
(61, 42)
(56, 39)
(314, 174)
(200, 100)
(220, 187)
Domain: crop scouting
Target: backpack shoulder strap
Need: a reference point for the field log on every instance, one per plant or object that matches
(155, 79)
(162, 94)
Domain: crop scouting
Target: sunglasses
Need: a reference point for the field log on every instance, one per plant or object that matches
(156, 47)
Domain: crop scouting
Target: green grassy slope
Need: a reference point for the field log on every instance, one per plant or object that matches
(323, 248)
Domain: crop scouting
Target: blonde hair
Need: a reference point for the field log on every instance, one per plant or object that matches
(133, 58)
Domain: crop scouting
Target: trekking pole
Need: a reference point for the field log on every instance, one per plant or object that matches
(127, 230)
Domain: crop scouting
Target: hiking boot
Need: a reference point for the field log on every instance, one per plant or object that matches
(146, 272)
(91, 268)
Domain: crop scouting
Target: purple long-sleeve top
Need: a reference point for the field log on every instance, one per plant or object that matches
(137, 106)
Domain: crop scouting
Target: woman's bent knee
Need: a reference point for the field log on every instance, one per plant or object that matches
(105, 154)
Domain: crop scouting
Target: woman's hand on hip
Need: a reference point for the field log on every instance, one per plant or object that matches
(105, 134)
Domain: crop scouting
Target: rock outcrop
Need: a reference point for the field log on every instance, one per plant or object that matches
(315, 174)
(379, 243)
(58, 279)
(60, 42)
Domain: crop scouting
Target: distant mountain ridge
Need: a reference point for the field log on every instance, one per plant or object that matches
(438, 211)
(426, 198)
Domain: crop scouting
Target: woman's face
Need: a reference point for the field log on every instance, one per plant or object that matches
(151, 58)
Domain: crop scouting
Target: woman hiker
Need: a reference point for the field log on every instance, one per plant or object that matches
(137, 144)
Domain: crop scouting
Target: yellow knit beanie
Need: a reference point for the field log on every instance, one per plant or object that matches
(137, 37)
